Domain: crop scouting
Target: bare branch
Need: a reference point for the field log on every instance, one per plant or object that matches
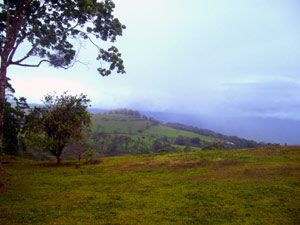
(38, 65)
(77, 56)
(94, 43)
(96, 47)
(30, 65)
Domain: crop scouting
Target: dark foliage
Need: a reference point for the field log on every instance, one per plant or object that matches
(14, 115)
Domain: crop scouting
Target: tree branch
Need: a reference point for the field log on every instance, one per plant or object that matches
(17, 30)
(30, 65)
(18, 62)
(13, 31)
(11, 55)
(94, 43)
(28, 53)
(38, 65)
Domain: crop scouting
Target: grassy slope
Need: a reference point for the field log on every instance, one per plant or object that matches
(120, 123)
(131, 125)
(258, 186)
(173, 133)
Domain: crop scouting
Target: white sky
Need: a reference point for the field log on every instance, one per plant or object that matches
(218, 57)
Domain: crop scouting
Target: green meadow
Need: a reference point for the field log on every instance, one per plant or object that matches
(246, 186)
(161, 130)
(135, 126)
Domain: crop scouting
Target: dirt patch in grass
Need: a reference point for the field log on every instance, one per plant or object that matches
(184, 163)
(131, 166)
(270, 150)
(47, 165)
(189, 164)
(271, 172)
(248, 175)
(181, 163)
(205, 163)
(264, 151)
(222, 164)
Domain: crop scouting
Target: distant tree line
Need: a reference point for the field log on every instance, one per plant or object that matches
(133, 113)
(128, 112)
(187, 141)
(108, 144)
(228, 141)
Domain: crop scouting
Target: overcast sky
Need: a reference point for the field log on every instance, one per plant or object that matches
(216, 57)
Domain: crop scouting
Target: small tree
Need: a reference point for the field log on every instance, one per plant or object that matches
(80, 147)
(180, 140)
(195, 141)
(90, 153)
(187, 148)
(62, 119)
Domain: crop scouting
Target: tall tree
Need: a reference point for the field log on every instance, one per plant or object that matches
(63, 119)
(47, 26)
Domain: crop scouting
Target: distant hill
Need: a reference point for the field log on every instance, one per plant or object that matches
(269, 130)
(234, 141)
(137, 125)
(121, 132)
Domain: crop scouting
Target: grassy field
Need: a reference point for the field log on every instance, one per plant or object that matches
(123, 124)
(131, 125)
(250, 186)
(160, 131)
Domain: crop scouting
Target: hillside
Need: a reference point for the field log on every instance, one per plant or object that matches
(248, 186)
(124, 131)
(135, 125)
(236, 141)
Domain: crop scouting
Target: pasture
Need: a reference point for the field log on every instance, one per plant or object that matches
(247, 186)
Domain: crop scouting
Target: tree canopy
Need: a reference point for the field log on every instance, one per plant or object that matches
(50, 25)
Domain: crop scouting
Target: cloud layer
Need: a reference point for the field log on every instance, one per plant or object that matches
(213, 57)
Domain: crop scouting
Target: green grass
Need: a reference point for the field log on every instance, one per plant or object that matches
(258, 186)
(130, 125)
(161, 130)
(123, 124)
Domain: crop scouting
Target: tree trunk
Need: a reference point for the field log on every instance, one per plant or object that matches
(2, 97)
(58, 154)
(57, 159)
